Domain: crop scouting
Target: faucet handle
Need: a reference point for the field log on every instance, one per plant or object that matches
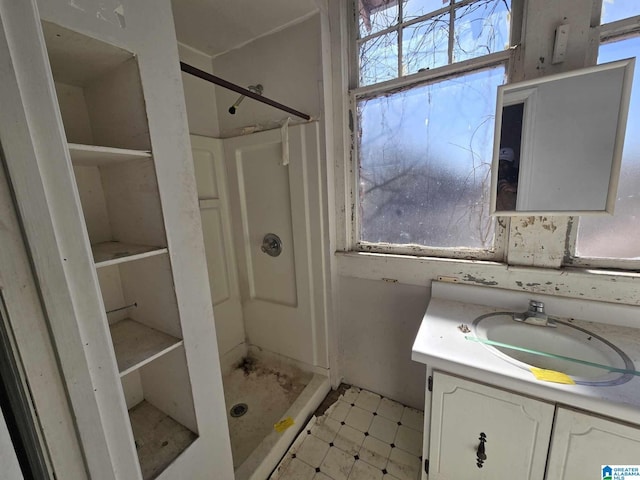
(536, 306)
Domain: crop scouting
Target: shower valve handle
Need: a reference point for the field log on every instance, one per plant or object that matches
(271, 245)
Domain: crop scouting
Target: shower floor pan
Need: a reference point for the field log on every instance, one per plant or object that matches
(260, 392)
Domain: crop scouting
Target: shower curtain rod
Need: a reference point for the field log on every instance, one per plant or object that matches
(185, 67)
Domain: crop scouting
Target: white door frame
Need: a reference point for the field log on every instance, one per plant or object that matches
(32, 363)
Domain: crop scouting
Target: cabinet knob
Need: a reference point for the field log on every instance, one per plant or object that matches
(480, 453)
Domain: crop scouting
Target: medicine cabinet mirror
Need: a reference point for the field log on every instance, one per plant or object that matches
(558, 142)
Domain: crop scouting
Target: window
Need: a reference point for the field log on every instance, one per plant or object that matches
(609, 240)
(424, 104)
(614, 10)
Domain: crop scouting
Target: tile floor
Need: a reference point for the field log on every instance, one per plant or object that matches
(362, 436)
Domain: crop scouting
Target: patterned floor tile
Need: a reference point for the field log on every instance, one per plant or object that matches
(362, 436)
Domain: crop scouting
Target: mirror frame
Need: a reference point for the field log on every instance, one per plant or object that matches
(525, 92)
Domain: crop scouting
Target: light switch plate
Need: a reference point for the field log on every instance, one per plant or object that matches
(560, 45)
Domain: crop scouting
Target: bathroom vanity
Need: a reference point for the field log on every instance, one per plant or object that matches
(488, 416)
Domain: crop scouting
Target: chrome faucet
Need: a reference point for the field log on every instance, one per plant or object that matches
(535, 315)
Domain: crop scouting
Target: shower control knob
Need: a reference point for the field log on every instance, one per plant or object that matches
(271, 245)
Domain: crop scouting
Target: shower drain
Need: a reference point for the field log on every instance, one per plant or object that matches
(239, 409)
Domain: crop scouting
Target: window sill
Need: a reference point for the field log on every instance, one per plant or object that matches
(594, 284)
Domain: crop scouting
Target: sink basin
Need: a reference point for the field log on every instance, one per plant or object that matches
(565, 340)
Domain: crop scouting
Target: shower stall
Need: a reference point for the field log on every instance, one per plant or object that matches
(261, 205)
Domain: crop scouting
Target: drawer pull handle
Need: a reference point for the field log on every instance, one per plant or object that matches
(480, 453)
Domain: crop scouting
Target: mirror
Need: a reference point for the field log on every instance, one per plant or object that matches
(558, 142)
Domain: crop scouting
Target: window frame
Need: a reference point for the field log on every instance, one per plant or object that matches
(507, 57)
(618, 30)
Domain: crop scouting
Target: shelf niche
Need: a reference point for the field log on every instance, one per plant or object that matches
(161, 412)
(99, 90)
(146, 287)
(121, 203)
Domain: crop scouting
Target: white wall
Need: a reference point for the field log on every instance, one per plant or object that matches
(199, 95)
(286, 63)
(378, 323)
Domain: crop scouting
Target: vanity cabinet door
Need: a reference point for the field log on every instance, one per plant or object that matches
(516, 430)
(583, 443)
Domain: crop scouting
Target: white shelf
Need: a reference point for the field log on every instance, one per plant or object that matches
(92, 155)
(112, 253)
(159, 438)
(136, 344)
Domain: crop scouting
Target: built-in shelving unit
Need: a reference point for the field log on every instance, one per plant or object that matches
(159, 438)
(103, 111)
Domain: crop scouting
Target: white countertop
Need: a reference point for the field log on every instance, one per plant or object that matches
(441, 345)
